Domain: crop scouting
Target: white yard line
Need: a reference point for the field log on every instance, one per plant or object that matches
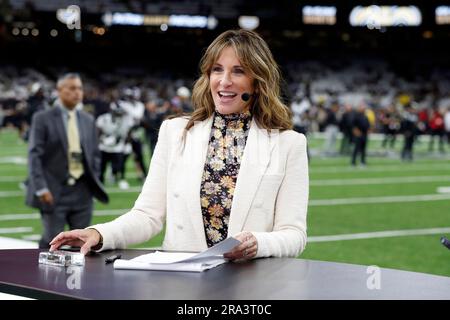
(313, 203)
(387, 180)
(379, 234)
(6, 194)
(327, 238)
(32, 237)
(22, 162)
(443, 190)
(37, 216)
(377, 168)
(15, 230)
(14, 160)
(11, 179)
(329, 182)
(19, 216)
(388, 199)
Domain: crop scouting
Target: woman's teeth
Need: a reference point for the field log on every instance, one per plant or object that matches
(227, 94)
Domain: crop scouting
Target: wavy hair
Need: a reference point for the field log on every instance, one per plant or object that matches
(256, 58)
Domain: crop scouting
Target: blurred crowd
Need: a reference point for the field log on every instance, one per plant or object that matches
(349, 99)
(356, 97)
(128, 112)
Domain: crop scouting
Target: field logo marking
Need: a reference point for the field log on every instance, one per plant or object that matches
(74, 280)
(374, 280)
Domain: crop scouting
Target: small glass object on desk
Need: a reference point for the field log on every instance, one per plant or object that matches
(61, 258)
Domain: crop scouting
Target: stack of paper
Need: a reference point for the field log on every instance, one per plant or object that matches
(180, 261)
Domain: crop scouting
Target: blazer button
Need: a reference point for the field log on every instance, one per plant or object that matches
(180, 227)
(176, 195)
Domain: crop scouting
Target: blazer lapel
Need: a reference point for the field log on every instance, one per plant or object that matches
(194, 158)
(254, 163)
(60, 127)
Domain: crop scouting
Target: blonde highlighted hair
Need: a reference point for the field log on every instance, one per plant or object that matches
(254, 55)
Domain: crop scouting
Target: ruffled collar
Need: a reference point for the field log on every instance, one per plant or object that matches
(233, 117)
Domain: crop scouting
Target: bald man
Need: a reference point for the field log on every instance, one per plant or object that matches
(64, 163)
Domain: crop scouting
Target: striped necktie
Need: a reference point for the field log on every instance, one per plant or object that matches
(73, 138)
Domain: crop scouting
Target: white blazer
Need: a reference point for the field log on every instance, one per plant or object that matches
(270, 198)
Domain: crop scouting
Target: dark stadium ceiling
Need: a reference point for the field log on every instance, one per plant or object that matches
(286, 10)
(38, 23)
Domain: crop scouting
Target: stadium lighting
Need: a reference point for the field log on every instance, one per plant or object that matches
(427, 34)
(99, 31)
(15, 31)
(71, 17)
(54, 32)
(248, 22)
(320, 15)
(164, 27)
(134, 19)
(119, 18)
(375, 17)
(442, 15)
(212, 23)
(35, 32)
(188, 21)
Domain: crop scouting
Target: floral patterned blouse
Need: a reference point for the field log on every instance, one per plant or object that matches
(226, 147)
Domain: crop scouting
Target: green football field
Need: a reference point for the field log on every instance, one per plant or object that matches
(390, 214)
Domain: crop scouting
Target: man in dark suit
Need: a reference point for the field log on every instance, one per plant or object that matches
(360, 129)
(64, 163)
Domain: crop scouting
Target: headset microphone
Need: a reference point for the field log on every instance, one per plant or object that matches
(246, 96)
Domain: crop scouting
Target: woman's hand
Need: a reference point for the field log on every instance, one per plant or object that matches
(246, 250)
(84, 238)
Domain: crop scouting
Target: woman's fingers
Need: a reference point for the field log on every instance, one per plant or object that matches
(57, 238)
(242, 237)
(90, 242)
(74, 237)
(65, 236)
(73, 243)
(246, 250)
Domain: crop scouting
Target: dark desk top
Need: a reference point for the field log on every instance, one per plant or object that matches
(271, 278)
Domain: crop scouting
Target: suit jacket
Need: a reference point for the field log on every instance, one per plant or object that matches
(47, 156)
(270, 198)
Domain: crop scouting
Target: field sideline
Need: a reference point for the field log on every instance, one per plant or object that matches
(390, 214)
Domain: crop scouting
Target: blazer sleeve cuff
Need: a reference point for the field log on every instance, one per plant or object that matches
(263, 250)
(279, 244)
(106, 235)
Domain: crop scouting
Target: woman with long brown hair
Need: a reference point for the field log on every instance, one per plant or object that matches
(233, 167)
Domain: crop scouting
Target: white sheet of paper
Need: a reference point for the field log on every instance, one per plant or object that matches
(180, 261)
(178, 266)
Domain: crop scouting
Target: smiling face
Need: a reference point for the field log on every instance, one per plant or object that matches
(228, 80)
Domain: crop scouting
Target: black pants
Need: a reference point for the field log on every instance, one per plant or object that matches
(73, 207)
(346, 143)
(407, 152)
(359, 149)
(116, 160)
(152, 139)
(136, 145)
(389, 138)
